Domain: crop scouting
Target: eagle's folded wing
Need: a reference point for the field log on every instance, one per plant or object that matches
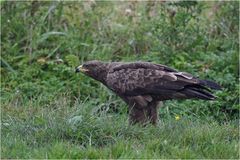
(149, 79)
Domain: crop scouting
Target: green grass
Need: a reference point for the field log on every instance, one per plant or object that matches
(82, 131)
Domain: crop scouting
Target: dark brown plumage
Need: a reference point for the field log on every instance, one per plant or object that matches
(143, 85)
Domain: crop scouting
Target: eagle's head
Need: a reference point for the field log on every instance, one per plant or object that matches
(95, 69)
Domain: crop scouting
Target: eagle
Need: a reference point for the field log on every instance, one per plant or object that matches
(144, 85)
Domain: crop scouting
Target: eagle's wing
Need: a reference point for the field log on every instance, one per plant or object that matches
(137, 65)
(141, 78)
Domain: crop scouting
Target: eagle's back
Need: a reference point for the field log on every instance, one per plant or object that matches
(133, 79)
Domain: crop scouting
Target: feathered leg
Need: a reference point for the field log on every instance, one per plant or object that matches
(144, 115)
(137, 115)
(153, 112)
(136, 112)
(141, 111)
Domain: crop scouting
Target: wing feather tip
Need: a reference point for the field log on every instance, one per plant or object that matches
(211, 84)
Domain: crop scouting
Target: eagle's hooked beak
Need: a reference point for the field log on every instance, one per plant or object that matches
(81, 69)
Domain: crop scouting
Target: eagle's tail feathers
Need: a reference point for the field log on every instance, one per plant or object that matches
(193, 92)
(210, 84)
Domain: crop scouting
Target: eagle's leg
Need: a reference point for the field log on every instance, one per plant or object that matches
(143, 115)
(141, 111)
(153, 112)
(138, 115)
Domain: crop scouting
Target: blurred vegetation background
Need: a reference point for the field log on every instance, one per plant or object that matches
(43, 41)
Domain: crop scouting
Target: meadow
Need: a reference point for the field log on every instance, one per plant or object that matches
(49, 111)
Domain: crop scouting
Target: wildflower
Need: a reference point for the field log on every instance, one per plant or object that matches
(165, 141)
(41, 60)
(128, 11)
(177, 117)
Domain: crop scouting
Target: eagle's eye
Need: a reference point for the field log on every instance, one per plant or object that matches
(84, 66)
(87, 66)
(90, 65)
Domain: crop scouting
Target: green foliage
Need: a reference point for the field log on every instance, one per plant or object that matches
(72, 60)
(48, 108)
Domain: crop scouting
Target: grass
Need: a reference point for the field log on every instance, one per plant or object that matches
(82, 131)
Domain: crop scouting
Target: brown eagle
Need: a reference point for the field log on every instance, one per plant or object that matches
(143, 85)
